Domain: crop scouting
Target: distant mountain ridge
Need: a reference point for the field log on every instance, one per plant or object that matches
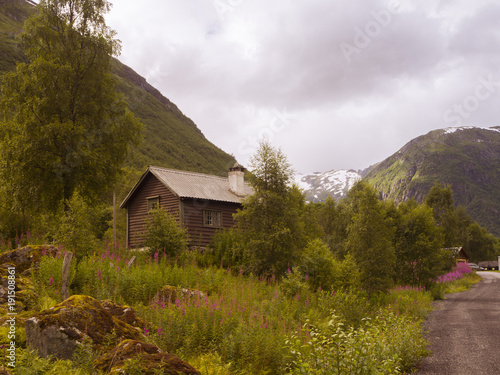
(466, 158)
(335, 183)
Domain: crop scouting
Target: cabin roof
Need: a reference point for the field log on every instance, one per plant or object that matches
(191, 185)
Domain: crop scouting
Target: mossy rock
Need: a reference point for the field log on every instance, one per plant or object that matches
(25, 257)
(171, 294)
(58, 331)
(149, 358)
(125, 314)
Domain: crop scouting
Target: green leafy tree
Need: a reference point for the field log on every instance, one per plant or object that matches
(64, 128)
(418, 245)
(479, 244)
(322, 270)
(272, 219)
(75, 231)
(440, 199)
(370, 238)
(163, 233)
(333, 218)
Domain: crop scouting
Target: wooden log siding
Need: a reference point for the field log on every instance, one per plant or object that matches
(137, 207)
(192, 213)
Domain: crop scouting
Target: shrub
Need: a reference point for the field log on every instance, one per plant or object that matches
(76, 232)
(318, 264)
(28, 363)
(164, 234)
(293, 283)
(211, 364)
(386, 344)
(225, 249)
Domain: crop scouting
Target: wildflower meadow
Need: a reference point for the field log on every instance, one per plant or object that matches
(242, 324)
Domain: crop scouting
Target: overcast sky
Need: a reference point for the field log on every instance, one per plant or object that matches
(336, 84)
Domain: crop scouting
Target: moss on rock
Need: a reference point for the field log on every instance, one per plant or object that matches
(149, 358)
(124, 313)
(58, 331)
(26, 257)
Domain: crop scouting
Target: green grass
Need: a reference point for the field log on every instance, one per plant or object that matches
(241, 324)
(462, 284)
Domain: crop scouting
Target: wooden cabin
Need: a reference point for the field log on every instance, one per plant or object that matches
(201, 203)
(458, 254)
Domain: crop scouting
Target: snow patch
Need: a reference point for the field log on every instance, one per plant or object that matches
(453, 130)
(319, 185)
(301, 182)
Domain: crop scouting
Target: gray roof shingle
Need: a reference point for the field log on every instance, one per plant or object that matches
(192, 185)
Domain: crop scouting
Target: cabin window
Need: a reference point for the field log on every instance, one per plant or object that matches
(153, 202)
(212, 218)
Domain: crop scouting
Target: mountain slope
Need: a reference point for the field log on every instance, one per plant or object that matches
(466, 158)
(170, 138)
(12, 15)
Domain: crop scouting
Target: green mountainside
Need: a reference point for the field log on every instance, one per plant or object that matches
(467, 159)
(12, 15)
(170, 139)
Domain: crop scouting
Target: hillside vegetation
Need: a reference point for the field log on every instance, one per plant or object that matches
(170, 139)
(467, 159)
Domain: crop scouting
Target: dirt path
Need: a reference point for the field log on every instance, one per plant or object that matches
(464, 331)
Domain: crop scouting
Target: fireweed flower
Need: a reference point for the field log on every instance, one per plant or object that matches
(51, 281)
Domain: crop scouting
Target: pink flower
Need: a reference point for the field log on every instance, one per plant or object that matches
(51, 281)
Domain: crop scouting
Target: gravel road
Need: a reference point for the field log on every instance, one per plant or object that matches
(464, 331)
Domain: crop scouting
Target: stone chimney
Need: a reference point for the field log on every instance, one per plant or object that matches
(236, 179)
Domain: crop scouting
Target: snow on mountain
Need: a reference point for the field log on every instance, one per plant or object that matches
(319, 185)
(453, 130)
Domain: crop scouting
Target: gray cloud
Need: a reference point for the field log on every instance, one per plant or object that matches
(235, 67)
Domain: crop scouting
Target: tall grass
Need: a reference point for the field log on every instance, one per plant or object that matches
(243, 324)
